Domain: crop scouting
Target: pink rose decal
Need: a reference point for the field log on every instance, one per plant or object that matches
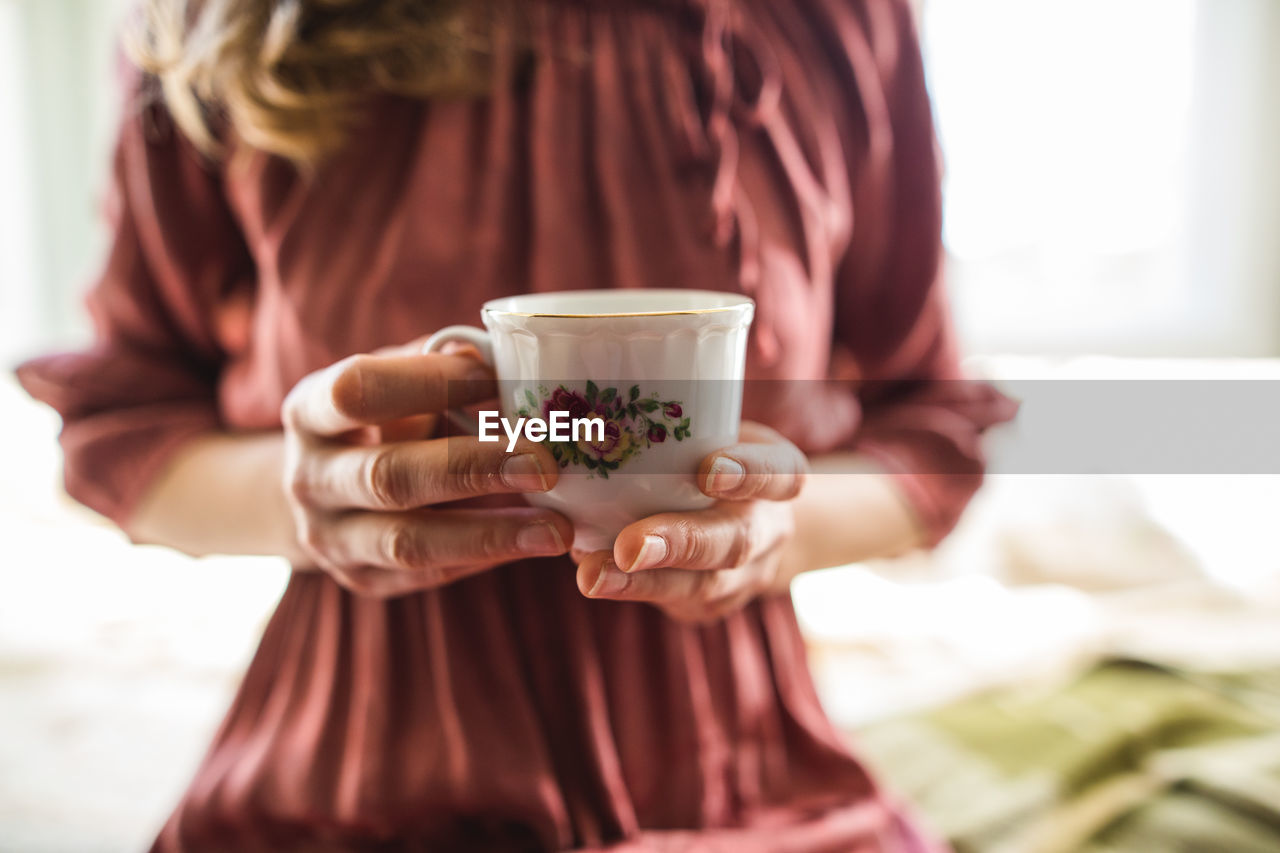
(564, 400)
(631, 422)
(612, 448)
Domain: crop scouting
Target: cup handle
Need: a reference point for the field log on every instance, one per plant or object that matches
(479, 339)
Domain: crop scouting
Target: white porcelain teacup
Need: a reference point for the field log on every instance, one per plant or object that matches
(653, 376)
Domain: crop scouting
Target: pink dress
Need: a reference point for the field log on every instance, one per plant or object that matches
(780, 149)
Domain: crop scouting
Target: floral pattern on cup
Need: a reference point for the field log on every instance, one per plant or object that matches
(632, 423)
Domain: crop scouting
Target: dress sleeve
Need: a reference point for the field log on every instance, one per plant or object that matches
(148, 381)
(922, 420)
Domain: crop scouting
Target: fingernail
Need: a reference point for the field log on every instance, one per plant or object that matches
(523, 472)
(540, 538)
(725, 475)
(652, 552)
(610, 581)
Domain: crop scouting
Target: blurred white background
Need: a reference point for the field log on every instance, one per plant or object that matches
(1112, 171)
(1113, 201)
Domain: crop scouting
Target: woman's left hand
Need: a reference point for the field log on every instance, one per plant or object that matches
(699, 566)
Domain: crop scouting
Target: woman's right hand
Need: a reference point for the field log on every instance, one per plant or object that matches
(363, 496)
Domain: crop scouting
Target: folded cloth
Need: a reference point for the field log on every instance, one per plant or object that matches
(1126, 757)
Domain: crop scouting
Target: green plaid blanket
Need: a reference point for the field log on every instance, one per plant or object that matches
(1128, 757)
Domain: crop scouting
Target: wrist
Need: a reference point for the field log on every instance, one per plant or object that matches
(849, 511)
(794, 557)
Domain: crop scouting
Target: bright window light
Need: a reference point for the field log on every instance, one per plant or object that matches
(1066, 129)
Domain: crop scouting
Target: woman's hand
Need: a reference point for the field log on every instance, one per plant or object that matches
(699, 566)
(361, 479)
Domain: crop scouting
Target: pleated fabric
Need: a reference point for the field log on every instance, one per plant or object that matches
(783, 150)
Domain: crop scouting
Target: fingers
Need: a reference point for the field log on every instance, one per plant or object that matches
(724, 536)
(765, 466)
(600, 577)
(439, 547)
(411, 474)
(366, 390)
(683, 595)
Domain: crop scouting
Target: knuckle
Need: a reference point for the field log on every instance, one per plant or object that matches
(386, 480)
(469, 474)
(300, 483)
(442, 484)
(692, 539)
(311, 537)
(495, 541)
(298, 486)
(405, 548)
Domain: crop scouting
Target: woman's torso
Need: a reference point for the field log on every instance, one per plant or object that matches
(637, 145)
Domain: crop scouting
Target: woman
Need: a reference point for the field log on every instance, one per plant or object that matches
(325, 178)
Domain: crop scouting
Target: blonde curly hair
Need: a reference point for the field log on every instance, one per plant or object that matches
(288, 76)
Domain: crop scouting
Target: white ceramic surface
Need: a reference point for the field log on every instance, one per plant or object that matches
(665, 366)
